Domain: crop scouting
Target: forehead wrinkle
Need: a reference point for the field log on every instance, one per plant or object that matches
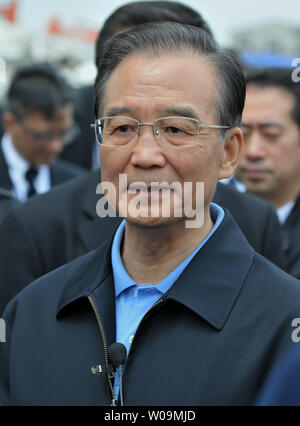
(182, 110)
(154, 91)
(153, 85)
(152, 69)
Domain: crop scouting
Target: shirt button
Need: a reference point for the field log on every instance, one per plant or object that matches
(131, 338)
(136, 293)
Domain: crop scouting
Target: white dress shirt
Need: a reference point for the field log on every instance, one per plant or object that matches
(284, 211)
(17, 168)
(232, 181)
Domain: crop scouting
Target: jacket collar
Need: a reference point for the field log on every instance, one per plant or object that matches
(89, 272)
(211, 283)
(209, 286)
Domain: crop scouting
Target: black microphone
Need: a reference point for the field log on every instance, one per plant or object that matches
(117, 353)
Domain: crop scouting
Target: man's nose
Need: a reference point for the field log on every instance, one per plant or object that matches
(147, 151)
(254, 147)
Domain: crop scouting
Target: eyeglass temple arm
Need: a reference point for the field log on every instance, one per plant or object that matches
(213, 126)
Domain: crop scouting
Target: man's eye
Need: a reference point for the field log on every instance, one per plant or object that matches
(122, 129)
(272, 136)
(173, 130)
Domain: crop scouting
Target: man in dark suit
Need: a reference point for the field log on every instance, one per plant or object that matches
(270, 162)
(38, 122)
(203, 318)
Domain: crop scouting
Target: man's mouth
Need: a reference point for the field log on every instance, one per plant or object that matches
(153, 187)
(256, 173)
(148, 190)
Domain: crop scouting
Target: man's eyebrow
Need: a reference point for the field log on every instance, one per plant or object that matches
(263, 125)
(182, 112)
(113, 111)
(271, 124)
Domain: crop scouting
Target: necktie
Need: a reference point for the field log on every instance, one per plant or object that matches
(30, 177)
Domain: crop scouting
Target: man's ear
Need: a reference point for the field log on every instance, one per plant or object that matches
(8, 121)
(232, 146)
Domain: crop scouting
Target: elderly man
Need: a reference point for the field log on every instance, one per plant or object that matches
(270, 162)
(202, 316)
(30, 234)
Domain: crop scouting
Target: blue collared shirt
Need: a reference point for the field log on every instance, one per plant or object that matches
(134, 300)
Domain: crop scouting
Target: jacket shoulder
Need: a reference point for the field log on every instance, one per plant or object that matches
(78, 278)
(62, 168)
(227, 196)
(280, 288)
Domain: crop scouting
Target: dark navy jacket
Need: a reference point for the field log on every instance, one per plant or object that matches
(291, 229)
(283, 385)
(211, 340)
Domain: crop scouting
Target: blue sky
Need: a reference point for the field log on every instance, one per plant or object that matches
(223, 15)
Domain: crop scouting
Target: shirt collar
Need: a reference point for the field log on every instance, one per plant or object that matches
(284, 211)
(121, 278)
(13, 158)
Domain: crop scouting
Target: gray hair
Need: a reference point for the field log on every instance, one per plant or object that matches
(175, 38)
(137, 13)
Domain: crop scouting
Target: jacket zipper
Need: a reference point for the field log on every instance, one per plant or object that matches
(150, 309)
(114, 401)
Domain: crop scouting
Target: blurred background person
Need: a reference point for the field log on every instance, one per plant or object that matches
(270, 163)
(38, 121)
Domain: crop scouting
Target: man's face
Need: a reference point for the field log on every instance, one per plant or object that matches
(146, 89)
(270, 161)
(39, 139)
